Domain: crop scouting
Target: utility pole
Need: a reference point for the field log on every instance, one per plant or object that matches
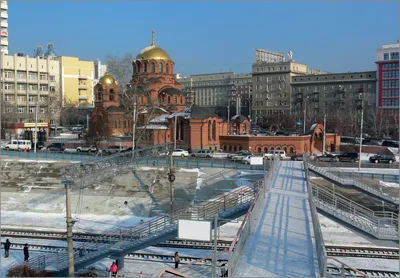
(71, 267)
(134, 127)
(87, 123)
(323, 142)
(214, 269)
(175, 125)
(171, 178)
(361, 133)
(36, 132)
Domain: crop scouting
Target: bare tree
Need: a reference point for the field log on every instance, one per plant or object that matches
(99, 130)
(120, 68)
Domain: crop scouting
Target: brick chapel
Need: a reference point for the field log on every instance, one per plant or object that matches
(162, 111)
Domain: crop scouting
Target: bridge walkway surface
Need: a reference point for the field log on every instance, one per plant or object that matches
(283, 241)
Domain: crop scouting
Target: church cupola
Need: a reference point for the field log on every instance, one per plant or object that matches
(106, 91)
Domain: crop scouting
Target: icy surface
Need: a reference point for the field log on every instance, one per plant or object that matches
(282, 243)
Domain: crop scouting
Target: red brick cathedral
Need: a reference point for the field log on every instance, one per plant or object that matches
(162, 112)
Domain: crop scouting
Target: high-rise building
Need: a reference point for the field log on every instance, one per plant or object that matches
(333, 92)
(27, 84)
(387, 60)
(76, 80)
(4, 27)
(217, 89)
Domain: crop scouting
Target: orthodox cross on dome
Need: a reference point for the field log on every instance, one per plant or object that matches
(152, 37)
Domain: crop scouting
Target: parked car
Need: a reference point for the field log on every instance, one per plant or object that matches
(163, 153)
(39, 146)
(327, 157)
(56, 147)
(180, 152)
(297, 157)
(238, 153)
(380, 157)
(247, 159)
(271, 154)
(203, 153)
(86, 149)
(349, 157)
(239, 157)
(390, 144)
(113, 149)
(19, 145)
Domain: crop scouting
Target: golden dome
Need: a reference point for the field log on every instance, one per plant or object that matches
(153, 52)
(106, 80)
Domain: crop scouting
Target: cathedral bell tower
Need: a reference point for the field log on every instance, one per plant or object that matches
(106, 92)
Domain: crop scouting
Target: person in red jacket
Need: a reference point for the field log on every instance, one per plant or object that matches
(114, 269)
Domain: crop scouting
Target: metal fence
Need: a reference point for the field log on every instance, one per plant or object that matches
(51, 156)
(319, 239)
(250, 219)
(354, 165)
(374, 176)
(198, 164)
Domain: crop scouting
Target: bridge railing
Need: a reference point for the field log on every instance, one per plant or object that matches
(250, 220)
(361, 183)
(382, 225)
(319, 238)
(96, 166)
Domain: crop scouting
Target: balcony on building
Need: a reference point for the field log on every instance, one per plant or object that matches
(4, 41)
(83, 97)
(82, 86)
(4, 15)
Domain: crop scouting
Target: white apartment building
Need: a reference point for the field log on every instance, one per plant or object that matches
(28, 83)
(4, 27)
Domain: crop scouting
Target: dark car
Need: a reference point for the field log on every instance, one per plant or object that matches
(390, 144)
(348, 157)
(380, 157)
(39, 145)
(57, 147)
(244, 153)
(327, 158)
(297, 157)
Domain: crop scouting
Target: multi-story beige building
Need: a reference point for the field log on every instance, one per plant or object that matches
(324, 93)
(4, 27)
(217, 89)
(272, 73)
(27, 84)
(77, 79)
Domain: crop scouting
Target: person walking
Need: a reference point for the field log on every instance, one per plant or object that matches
(7, 246)
(176, 259)
(26, 253)
(114, 269)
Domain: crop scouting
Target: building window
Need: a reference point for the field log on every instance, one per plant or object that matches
(43, 77)
(167, 68)
(32, 98)
(160, 68)
(43, 88)
(52, 78)
(9, 109)
(21, 110)
(153, 67)
(32, 76)
(145, 67)
(8, 86)
(31, 109)
(8, 74)
(42, 110)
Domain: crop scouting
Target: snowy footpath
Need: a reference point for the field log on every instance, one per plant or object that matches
(282, 243)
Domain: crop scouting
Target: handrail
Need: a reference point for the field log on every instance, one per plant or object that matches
(355, 182)
(319, 238)
(342, 265)
(380, 224)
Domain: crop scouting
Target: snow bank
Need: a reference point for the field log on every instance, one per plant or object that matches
(388, 184)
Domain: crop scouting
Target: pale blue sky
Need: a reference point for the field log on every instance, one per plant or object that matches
(204, 37)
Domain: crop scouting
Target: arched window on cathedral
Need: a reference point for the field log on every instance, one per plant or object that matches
(138, 67)
(134, 68)
(112, 95)
(214, 130)
(99, 95)
(167, 68)
(153, 67)
(182, 100)
(145, 67)
(169, 99)
(209, 130)
(175, 99)
(160, 67)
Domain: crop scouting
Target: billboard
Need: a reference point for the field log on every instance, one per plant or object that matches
(256, 160)
(194, 230)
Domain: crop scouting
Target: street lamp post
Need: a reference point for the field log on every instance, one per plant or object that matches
(361, 134)
(304, 116)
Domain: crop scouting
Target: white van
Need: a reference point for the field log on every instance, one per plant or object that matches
(271, 154)
(19, 145)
